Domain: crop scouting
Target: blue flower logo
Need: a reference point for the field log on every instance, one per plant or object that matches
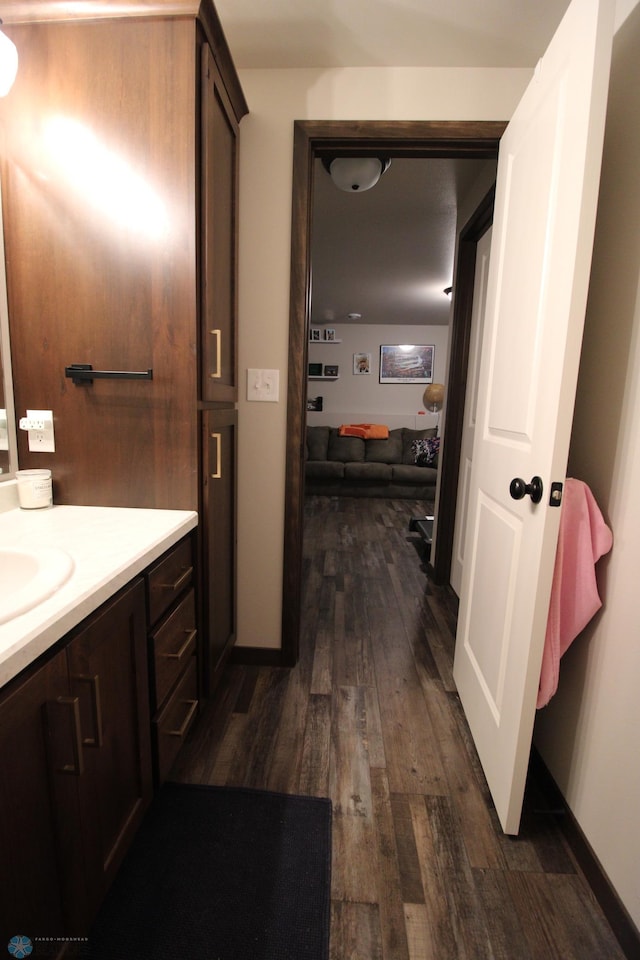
(20, 947)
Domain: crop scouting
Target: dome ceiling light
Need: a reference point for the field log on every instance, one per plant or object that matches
(355, 174)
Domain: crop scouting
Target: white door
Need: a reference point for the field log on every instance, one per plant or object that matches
(546, 195)
(470, 406)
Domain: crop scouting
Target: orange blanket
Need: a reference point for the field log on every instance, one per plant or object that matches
(367, 431)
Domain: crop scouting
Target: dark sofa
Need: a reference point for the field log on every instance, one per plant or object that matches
(352, 467)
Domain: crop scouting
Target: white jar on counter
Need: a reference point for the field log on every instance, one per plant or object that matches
(34, 489)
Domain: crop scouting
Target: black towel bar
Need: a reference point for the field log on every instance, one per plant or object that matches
(84, 373)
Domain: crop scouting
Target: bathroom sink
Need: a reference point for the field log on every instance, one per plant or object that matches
(27, 577)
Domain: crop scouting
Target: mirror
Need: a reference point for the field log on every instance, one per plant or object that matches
(8, 440)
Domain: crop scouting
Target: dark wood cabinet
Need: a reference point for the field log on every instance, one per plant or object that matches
(76, 771)
(219, 440)
(107, 662)
(219, 237)
(173, 645)
(120, 202)
(31, 879)
(120, 197)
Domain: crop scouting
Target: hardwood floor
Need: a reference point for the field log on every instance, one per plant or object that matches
(370, 717)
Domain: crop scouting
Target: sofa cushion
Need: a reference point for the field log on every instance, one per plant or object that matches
(317, 443)
(405, 473)
(385, 451)
(345, 449)
(324, 470)
(408, 436)
(367, 471)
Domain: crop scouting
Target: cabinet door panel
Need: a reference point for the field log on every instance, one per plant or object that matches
(108, 671)
(31, 883)
(219, 237)
(219, 538)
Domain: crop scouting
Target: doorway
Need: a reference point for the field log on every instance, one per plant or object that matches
(470, 140)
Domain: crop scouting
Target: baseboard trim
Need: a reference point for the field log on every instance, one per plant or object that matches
(258, 657)
(614, 910)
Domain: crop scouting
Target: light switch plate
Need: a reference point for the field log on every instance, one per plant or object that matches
(263, 385)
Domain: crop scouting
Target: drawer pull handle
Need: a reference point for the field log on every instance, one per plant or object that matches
(182, 579)
(180, 732)
(53, 710)
(96, 709)
(218, 335)
(218, 439)
(183, 649)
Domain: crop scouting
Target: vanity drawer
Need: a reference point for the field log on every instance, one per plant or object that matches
(169, 577)
(174, 721)
(173, 643)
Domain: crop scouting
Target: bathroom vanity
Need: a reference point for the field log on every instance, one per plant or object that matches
(99, 689)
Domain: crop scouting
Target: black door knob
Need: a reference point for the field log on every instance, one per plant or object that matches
(518, 489)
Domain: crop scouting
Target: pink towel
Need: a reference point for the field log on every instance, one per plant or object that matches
(584, 537)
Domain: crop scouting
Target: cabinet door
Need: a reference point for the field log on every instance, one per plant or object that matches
(31, 881)
(219, 197)
(108, 673)
(219, 538)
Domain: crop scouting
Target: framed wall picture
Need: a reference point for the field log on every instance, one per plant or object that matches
(330, 370)
(361, 363)
(315, 333)
(406, 363)
(329, 333)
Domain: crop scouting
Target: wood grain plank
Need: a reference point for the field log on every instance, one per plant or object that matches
(505, 930)
(253, 757)
(413, 762)
(419, 939)
(314, 767)
(355, 860)
(437, 933)
(410, 875)
(355, 932)
(473, 821)
(456, 882)
(559, 918)
(375, 740)
(392, 926)
(322, 675)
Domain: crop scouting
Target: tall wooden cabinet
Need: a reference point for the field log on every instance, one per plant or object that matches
(119, 182)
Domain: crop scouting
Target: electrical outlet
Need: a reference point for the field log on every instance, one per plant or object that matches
(39, 423)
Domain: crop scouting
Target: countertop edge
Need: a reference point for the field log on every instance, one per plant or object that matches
(58, 620)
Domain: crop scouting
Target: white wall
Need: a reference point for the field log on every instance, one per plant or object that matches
(362, 398)
(276, 98)
(588, 736)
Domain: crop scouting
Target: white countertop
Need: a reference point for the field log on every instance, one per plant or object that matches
(109, 546)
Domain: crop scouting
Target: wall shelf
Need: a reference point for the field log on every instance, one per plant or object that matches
(323, 378)
(324, 341)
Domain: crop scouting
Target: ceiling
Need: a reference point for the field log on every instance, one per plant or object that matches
(388, 33)
(388, 253)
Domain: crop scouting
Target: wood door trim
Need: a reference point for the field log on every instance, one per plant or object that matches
(463, 139)
(478, 224)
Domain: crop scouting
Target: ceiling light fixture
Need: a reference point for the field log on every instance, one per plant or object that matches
(355, 174)
(8, 63)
